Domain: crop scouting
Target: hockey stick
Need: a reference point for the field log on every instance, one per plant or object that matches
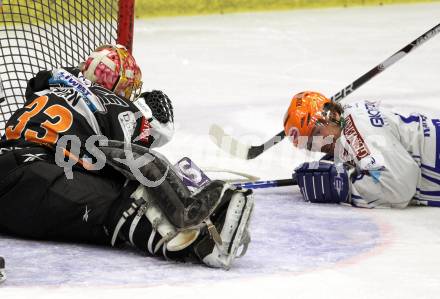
(247, 152)
(267, 184)
(293, 182)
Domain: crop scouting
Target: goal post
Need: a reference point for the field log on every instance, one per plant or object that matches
(126, 23)
(47, 34)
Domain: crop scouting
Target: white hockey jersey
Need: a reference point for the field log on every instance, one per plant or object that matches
(397, 157)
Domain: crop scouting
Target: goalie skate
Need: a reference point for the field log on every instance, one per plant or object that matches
(232, 220)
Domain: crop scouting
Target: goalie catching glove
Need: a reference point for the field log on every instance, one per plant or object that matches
(158, 117)
(323, 182)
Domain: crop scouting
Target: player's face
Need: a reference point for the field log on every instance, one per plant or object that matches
(324, 138)
(325, 134)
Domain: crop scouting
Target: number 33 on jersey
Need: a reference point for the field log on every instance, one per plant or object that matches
(40, 122)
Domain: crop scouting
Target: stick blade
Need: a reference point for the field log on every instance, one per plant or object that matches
(227, 143)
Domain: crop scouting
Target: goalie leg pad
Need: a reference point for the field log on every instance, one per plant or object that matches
(171, 194)
(175, 239)
(143, 206)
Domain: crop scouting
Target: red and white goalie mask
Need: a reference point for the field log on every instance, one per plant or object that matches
(114, 68)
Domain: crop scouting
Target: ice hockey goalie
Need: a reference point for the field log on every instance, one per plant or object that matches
(77, 164)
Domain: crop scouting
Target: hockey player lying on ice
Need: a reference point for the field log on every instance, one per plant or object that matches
(53, 187)
(378, 158)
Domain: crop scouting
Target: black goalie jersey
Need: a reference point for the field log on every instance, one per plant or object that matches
(76, 110)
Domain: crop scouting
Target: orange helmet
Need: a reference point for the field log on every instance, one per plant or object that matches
(114, 68)
(304, 110)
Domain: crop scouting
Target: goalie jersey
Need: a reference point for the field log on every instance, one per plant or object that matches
(396, 157)
(63, 103)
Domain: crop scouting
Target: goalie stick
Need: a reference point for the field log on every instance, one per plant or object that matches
(195, 178)
(247, 152)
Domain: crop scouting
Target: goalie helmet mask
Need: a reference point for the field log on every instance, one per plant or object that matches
(305, 110)
(113, 67)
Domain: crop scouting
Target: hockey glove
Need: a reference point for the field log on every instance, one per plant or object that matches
(323, 182)
(158, 118)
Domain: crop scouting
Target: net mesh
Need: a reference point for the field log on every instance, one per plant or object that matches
(47, 34)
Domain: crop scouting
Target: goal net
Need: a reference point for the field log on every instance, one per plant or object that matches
(47, 34)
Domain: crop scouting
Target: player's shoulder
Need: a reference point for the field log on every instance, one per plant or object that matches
(364, 129)
(362, 107)
(41, 83)
(366, 113)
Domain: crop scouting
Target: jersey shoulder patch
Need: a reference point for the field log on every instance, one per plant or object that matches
(355, 139)
(356, 146)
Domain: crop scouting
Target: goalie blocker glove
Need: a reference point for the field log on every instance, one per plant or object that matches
(323, 182)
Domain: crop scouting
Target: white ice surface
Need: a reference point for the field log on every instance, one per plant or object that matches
(240, 71)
